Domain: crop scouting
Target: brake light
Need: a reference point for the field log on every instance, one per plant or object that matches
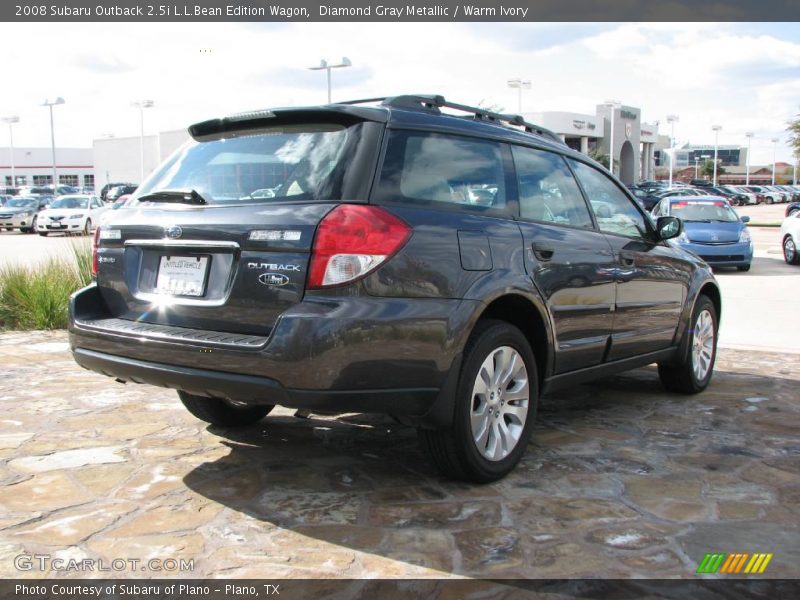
(95, 242)
(351, 241)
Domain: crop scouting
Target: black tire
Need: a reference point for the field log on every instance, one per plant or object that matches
(744, 268)
(453, 450)
(790, 253)
(87, 229)
(43, 233)
(793, 212)
(219, 412)
(681, 377)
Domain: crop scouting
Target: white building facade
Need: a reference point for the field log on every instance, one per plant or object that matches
(634, 148)
(34, 167)
(119, 160)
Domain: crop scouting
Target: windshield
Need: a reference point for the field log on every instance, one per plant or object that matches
(294, 162)
(22, 203)
(695, 210)
(70, 202)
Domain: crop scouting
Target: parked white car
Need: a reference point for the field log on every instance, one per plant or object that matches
(790, 239)
(72, 213)
(752, 197)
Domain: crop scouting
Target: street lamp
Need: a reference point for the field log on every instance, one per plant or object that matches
(11, 120)
(716, 129)
(50, 105)
(141, 105)
(774, 150)
(749, 135)
(519, 84)
(671, 119)
(696, 165)
(613, 105)
(323, 65)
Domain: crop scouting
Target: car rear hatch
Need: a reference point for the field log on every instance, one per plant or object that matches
(219, 238)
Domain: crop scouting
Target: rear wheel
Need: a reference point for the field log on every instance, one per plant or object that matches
(790, 254)
(495, 407)
(693, 374)
(793, 212)
(43, 233)
(744, 268)
(222, 412)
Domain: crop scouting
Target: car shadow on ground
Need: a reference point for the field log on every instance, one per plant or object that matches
(362, 483)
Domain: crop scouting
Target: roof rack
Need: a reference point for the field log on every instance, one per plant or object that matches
(435, 102)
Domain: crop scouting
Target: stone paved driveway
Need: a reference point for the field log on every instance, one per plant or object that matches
(621, 480)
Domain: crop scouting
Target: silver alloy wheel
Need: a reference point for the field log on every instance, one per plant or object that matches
(789, 250)
(500, 400)
(702, 345)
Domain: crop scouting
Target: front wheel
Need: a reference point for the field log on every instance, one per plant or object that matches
(43, 233)
(223, 413)
(790, 254)
(495, 406)
(693, 374)
(744, 268)
(87, 229)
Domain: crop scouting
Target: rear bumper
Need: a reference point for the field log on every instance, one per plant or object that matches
(257, 390)
(339, 354)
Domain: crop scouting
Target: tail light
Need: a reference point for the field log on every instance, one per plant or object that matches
(95, 243)
(351, 241)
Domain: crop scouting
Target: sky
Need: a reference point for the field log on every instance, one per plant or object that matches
(742, 76)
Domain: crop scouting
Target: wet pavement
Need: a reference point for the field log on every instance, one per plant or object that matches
(622, 480)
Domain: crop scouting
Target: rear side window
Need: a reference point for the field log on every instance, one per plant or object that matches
(547, 190)
(430, 167)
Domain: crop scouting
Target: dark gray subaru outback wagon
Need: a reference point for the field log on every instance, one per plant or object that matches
(410, 256)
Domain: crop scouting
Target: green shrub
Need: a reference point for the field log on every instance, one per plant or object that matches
(37, 297)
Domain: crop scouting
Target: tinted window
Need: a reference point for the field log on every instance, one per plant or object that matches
(547, 190)
(294, 162)
(441, 168)
(615, 212)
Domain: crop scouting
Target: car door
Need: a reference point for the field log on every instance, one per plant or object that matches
(569, 261)
(651, 277)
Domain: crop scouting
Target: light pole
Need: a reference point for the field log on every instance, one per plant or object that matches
(11, 120)
(519, 84)
(749, 135)
(141, 105)
(613, 105)
(50, 105)
(716, 129)
(323, 65)
(774, 150)
(671, 119)
(696, 165)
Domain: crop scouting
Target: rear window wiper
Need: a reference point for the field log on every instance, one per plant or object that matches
(176, 196)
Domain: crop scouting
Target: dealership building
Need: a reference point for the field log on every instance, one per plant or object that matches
(635, 142)
(34, 166)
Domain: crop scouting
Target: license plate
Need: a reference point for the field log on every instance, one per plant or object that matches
(56, 225)
(182, 275)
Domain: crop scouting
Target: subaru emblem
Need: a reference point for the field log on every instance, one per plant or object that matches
(173, 232)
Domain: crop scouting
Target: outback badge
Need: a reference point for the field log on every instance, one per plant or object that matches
(275, 279)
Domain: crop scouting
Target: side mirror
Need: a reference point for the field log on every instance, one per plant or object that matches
(744, 219)
(668, 227)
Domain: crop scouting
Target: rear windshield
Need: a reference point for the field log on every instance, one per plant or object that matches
(296, 162)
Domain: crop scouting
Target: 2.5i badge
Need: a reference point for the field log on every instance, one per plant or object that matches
(275, 279)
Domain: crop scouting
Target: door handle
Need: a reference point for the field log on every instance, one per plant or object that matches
(542, 251)
(627, 259)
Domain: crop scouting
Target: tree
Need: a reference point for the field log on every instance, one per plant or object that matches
(708, 168)
(600, 156)
(794, 135)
